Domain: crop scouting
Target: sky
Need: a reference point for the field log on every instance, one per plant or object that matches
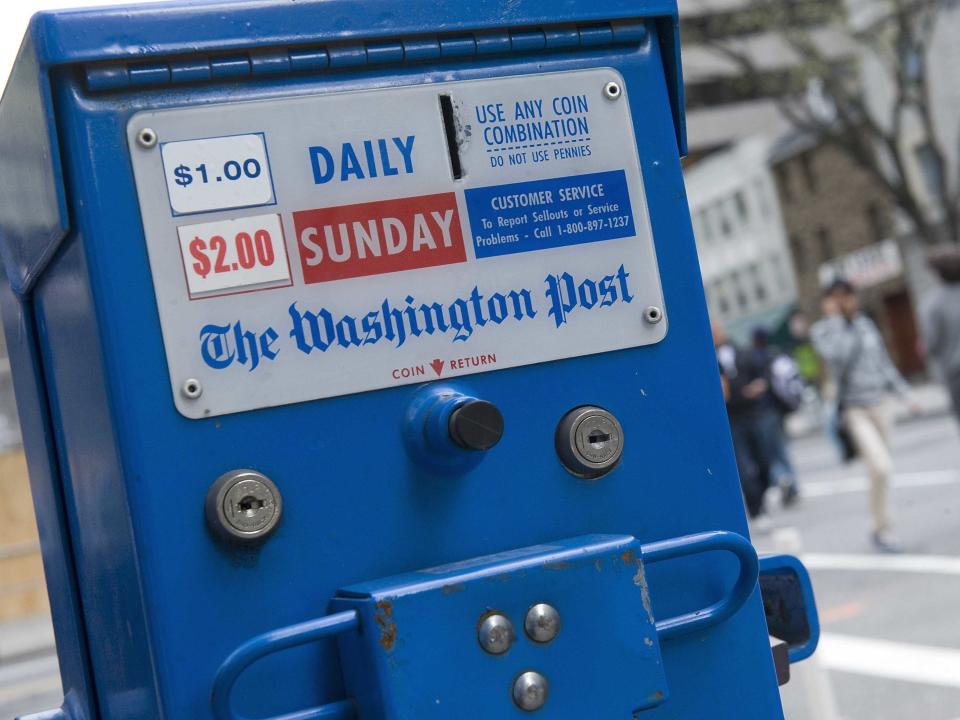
(16, 15)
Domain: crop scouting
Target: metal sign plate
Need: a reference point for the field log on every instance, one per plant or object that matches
(323, 245)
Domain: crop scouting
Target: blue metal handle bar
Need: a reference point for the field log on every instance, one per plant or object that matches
(723, 609)
(273, 642)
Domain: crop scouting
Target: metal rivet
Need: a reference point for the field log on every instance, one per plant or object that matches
(542, 623)
(496, 634)
(147, 138)
(530, 691)
(653, 314)
(191, 389)
(612, 91)
(243, 505)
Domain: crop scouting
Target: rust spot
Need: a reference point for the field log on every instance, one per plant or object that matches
(598, 564)
(561, 565)
(658, 695)
(454, 588)
(629, 557)
(388, 628)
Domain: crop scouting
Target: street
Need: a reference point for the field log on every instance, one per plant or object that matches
(891, 642)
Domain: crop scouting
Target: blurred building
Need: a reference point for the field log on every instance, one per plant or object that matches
(742, 239)
(839, 224)
(723, 105)
(942, 62)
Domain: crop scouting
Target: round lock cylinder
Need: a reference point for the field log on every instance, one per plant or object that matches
(589, 441)
(243, 505)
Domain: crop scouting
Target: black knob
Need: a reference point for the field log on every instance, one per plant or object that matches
(476, 425)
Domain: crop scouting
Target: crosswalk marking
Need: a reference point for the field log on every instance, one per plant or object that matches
(932, 564)
(893, 660)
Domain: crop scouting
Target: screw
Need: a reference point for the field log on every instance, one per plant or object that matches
(191, 389)
(243, 505)
(147, 138)
(530, 691)
(542, 623)
(612, 91)
(653, 314)
(496, 634)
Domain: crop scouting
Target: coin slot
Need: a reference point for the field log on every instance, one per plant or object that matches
(450, 129)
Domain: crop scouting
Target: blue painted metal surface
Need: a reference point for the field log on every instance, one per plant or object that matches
(703, 618)
(147, 604)
(277, 641)
(417, 625)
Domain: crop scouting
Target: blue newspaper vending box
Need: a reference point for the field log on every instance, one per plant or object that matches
(364, 368)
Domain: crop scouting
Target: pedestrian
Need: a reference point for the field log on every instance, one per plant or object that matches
(940, 319)
(743, 388)
(860, 367)
(783, 395)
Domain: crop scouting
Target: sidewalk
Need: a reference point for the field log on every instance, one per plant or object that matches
(29, 672)
(25, 638)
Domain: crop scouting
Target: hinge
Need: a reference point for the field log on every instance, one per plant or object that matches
(336, 56)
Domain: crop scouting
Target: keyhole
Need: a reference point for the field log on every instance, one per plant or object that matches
(249, 505)
(598, 438)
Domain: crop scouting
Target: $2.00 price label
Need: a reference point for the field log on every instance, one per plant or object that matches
(234, 255)
(217, 173)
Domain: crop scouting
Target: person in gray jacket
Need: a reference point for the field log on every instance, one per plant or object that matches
(853, 349)
(941, 319)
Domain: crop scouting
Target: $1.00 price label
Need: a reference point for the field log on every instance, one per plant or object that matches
(217, 173)
(234, 255)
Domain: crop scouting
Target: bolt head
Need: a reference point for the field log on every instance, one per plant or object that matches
(542, 623)
(496, 634)
(653, 314)
(147, 138)
(612, 91)
(191, 389)
(530, 691)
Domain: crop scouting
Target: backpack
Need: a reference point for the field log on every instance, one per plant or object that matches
(786, 383)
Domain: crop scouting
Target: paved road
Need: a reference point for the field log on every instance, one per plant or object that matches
(891, 647)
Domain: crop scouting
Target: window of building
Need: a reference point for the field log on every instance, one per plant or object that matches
(743, 302)
(825, 242)
(877, 220)
(706, 225)
(759, 287)
(800, 255)
(930, 168)
(784, 181)
(743, 210)
(779, 274)
(718, 297)
(809, 172)
(726, 219)
(763, 199)
(910, 60)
